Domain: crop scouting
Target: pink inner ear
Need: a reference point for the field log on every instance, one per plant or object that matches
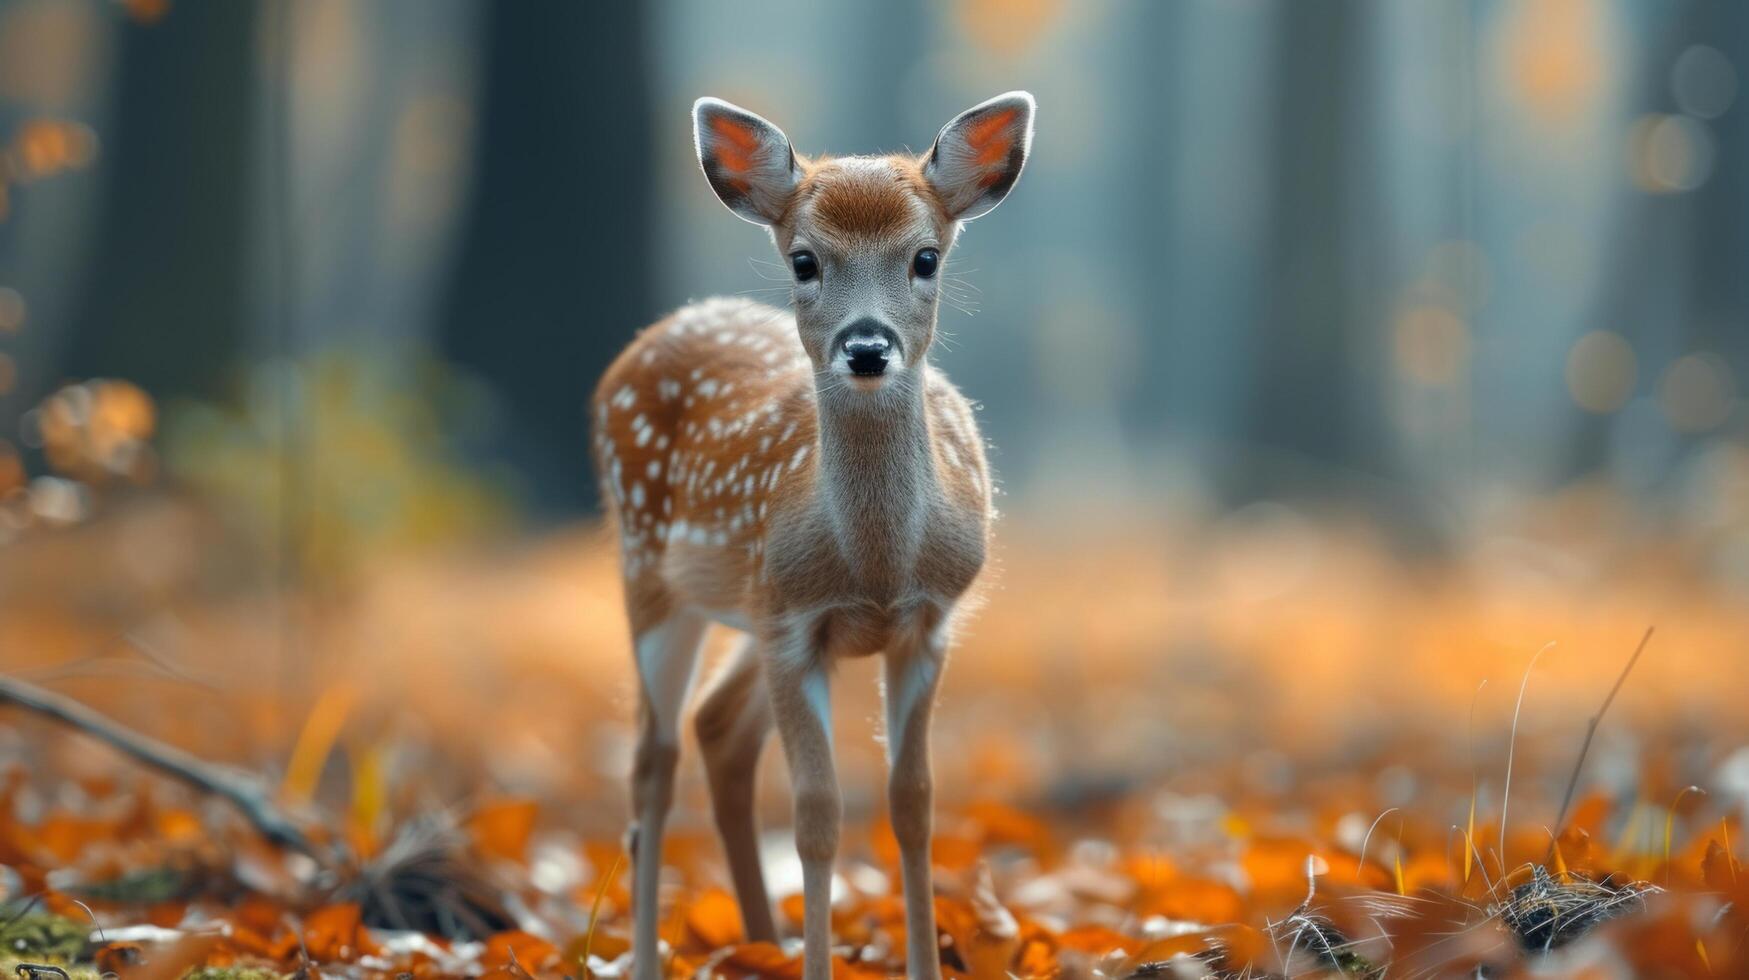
(736, 148)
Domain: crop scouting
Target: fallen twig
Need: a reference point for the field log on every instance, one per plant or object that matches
(240, 789)
(1591, 731)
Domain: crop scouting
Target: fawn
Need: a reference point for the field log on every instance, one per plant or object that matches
(806, 477)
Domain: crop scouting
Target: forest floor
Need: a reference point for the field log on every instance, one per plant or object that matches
(1264, 746)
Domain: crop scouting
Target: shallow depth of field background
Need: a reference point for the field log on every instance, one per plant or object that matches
(1336, 357)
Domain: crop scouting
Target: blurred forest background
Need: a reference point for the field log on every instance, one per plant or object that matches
(1338, 356)
(1393, 338)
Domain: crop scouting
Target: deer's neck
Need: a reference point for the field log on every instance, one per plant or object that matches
(877, 474)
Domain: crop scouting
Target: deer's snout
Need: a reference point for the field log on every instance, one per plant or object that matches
(867, 347)
(867, 355)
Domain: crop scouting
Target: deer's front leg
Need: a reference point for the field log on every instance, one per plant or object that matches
(801, 704)
(913, 671)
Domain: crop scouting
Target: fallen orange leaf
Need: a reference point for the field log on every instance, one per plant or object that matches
(714, 920)
(1002, 825)
(1097, 940)
(118, 957)
(765, 960)
(1195, 900)
(335, 933)
(178, 826)
(502, 829)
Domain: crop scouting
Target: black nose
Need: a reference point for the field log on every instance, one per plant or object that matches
(868, 355)
(868, 346)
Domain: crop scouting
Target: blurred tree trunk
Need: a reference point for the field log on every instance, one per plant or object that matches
(1722, 246)
(555, 265)
(886, 47)
(1305, 387)
(369, 135)
(1153, 61)
(1207, 157)
(164, 295)
(49, 228)
(1676, 283)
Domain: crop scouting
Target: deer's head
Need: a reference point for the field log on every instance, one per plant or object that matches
(865, 237)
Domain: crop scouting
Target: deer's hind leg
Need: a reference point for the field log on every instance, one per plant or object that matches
(666, 652)
(733, 720)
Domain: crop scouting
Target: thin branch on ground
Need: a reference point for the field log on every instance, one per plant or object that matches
(238, 788)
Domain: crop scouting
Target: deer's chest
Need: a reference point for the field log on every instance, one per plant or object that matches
(870, 588)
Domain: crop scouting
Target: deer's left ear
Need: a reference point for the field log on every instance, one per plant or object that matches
(978, 157)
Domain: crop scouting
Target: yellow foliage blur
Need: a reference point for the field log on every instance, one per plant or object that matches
(347, 451)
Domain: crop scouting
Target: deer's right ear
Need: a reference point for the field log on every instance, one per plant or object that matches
(747, 160)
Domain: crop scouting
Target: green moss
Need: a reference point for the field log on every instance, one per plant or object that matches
(39, 937)
(141, 887)
(232, 973)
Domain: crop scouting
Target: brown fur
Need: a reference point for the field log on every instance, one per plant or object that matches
(864, 205)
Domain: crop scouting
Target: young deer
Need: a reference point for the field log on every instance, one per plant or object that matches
(806, 477)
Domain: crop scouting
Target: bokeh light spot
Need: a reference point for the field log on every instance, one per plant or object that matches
(12, 310)
(45, 147)
(56, 501)
(1696, 393)
(11, 469)
(1554, 55)
(1601, 371)
(1007, 27)
(95, 431)
(146, 11)
(1703, 82)
(1670, 153)
(1432, 345)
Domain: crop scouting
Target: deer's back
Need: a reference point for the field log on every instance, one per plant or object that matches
(696, 425)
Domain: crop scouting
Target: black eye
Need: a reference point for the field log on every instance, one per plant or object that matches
(926, 262)
(805, 265)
